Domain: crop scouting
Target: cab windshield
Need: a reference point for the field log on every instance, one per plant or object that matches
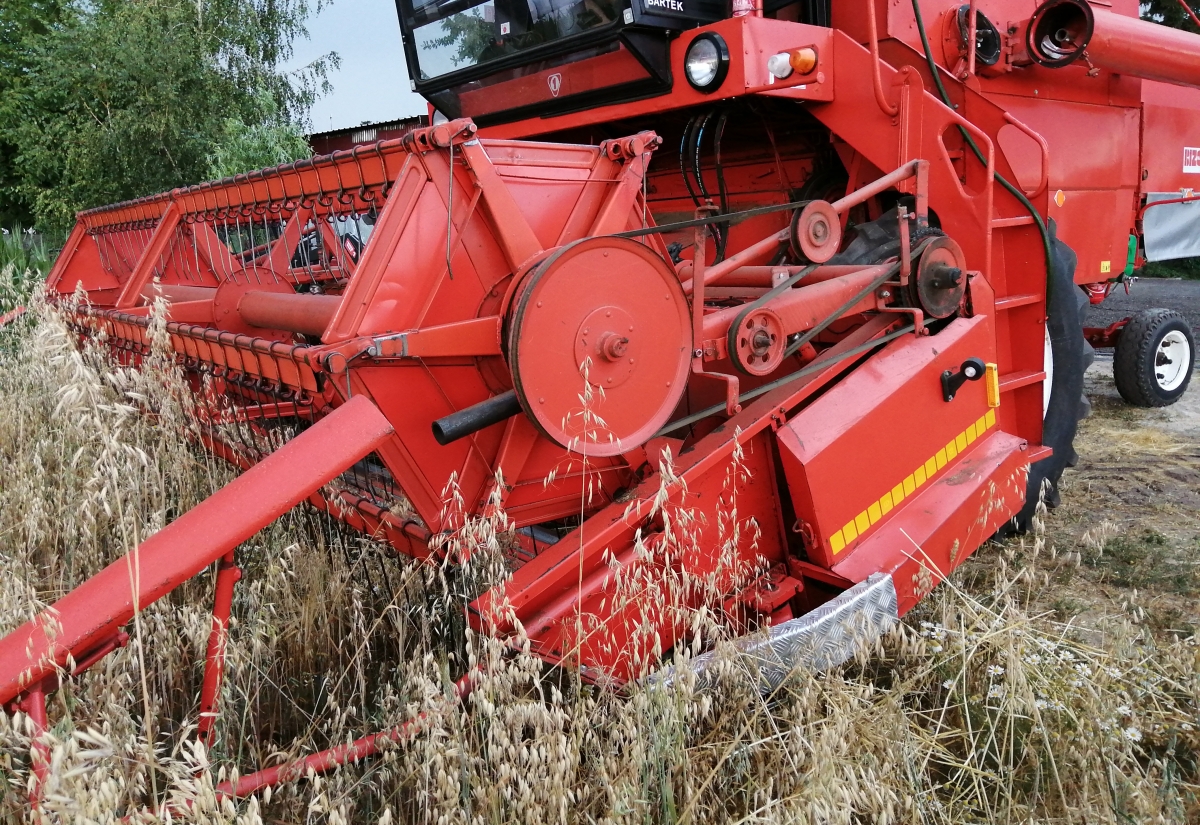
(452, 35)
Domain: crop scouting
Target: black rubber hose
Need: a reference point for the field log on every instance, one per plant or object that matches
(722, 189)
(1016, 193)
(718, 232)
(685, 143)
(475, 418)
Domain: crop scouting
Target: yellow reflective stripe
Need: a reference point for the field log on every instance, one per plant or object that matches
(890, 500)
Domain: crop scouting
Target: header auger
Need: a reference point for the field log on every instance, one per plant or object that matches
(817, 305)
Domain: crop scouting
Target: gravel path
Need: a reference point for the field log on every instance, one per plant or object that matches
(1149, 293)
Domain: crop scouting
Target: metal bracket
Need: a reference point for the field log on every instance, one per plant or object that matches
(971, 370)
(379, 345)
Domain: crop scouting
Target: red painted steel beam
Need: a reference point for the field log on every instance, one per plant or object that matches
(152, 258)
(1190, 12)
(803, 308)
(178, 293)
(8, 317)
(94, 612)
(228, 574)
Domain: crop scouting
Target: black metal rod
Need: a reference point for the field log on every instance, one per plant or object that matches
(473, 419)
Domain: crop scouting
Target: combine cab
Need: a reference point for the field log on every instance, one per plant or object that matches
(811, 274)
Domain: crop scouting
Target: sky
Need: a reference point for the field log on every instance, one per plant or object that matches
(372, 83)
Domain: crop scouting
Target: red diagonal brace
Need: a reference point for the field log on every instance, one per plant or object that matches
(92, 613)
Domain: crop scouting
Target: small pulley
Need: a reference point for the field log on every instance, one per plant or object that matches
(599, 344)
(758, 342)
(816, 232)
(939, 281)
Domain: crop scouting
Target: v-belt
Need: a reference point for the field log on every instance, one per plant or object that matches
(808, 336)
(728, 217)
(774, 293)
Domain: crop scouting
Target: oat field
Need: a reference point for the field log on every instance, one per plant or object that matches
(1054, 679)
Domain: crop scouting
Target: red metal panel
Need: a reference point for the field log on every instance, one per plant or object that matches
(587, 75)
(752, 40)
(1096, 223)
(569, 599)
(937, 529)
(1094, 161)
(847, 453)
(1171, 124)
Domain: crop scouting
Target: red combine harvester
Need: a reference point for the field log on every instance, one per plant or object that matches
(841, 247)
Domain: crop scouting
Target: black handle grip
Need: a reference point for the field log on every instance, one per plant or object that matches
(971, 370)
(475, 418)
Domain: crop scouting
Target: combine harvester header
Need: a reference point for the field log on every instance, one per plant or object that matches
(812, 274)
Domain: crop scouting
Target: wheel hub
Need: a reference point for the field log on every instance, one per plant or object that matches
(1173, 361)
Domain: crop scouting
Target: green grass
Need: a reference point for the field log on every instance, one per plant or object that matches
(24, 251)
(1145, 560)
(25, 260)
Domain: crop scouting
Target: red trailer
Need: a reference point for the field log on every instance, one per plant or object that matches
(773, 314)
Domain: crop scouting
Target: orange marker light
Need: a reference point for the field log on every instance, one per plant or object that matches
(783, 64)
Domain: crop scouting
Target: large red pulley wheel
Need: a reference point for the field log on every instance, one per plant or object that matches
(612, 310)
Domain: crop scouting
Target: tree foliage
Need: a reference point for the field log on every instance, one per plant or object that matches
(1169, 13)
(105, 100)
(269, 139)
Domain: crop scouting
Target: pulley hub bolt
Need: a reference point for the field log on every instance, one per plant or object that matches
(761, 342)
(613, 346)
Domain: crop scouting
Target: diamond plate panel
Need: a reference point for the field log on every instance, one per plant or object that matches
(819, 639)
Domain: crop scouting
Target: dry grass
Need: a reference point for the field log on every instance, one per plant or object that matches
(980, 708)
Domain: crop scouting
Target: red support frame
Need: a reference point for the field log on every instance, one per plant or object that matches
(91, 615)
(228, 574)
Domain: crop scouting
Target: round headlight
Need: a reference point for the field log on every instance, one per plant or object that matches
(706, 62)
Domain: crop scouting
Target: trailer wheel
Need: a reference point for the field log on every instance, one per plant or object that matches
(1068, 356)
(1154, 359)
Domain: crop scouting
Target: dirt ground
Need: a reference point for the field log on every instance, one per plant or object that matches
(1128, 528)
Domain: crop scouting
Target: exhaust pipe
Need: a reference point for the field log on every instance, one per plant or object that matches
(1062, 31)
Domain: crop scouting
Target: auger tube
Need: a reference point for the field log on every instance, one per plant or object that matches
(475, 418)
(1060, 32)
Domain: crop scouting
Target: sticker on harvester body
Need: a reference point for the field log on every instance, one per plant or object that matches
(1191, 159)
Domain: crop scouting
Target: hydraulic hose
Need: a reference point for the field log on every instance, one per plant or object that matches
(1016, 193)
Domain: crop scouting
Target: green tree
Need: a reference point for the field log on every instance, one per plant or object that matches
(269, 140)
(470, 35)
(1169, 13)
(20, 21)
(114, 99)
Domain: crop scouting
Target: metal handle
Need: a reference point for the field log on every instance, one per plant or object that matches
(475, 418)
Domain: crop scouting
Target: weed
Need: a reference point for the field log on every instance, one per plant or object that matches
(1181, 268)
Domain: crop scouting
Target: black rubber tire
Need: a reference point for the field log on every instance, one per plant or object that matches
(1068, 404)
(1135, 361)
